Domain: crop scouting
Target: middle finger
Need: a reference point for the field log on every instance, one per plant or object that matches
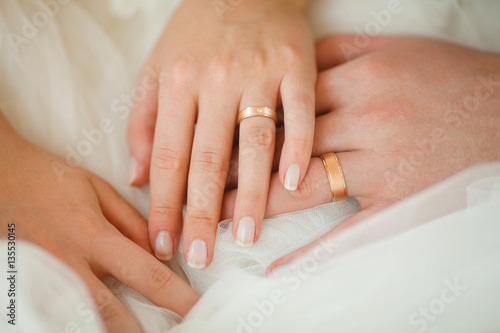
(207, 176)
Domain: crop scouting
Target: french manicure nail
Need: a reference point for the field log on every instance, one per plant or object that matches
(197, 254)
(132, 171)
(246, 232)
(164, 246)
(292, 177)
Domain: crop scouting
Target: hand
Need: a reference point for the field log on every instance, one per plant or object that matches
(81, 220)
(402, 116)
(207, 68)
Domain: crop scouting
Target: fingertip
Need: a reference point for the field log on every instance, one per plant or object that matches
(139, 172)
(246, 232)
(294, 166)
(292, 177)
(197, 255)
(164, 246)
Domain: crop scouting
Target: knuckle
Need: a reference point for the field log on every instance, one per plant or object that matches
(306, 188)
(165, 211)
(209, 161)
(182, 67)
(168, 159)
(259, 138)
(110, 311)
(200, 217)
(221, 70)
(97, 233)
(291, 54)
(158, 277)
(253, 196)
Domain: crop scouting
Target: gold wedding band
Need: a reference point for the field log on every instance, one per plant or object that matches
(257, 111)
(335, 176)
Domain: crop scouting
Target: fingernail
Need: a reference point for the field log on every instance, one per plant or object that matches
(197, 254)
(246, 232)
(269, 271)
(292, 177)
(132, 171)
(164, 246)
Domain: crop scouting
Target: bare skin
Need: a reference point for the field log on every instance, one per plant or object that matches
(211, 63)
(82, 220)
(404, 114)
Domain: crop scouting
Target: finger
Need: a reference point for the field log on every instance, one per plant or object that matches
(315, 189)
(142, 124)
(329, 91)
(232, 174)
(337, 49)
(255, 162)
(349, 222)
(121, 214)
(297, 94)
(114, 315)
(207, 176)
(169, 167)
(310, 193)
(336, 131)
(137, 269)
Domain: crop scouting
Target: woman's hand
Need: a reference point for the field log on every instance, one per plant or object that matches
(209, 64)
(406, 114)
(80, 219)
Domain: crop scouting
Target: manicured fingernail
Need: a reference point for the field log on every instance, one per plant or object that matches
(164, 246)
(132, 171)
(292, 177)
(197, 254)
(246, 232)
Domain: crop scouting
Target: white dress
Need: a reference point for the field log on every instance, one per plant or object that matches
(430, 263)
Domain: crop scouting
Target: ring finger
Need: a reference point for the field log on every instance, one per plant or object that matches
(256, 152)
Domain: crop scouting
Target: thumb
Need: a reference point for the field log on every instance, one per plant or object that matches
(338, 49)
(325, 239)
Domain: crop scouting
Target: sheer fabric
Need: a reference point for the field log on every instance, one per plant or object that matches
(69, 66)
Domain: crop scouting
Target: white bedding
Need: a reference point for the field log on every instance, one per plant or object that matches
(79, 67)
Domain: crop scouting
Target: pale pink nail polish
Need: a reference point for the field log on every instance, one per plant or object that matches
(246, 232)
(292, 177)
(197, 254)
(164, 246)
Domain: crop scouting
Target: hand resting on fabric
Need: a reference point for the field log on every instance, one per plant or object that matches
(404, 114)
(80, 219)
(210, 63)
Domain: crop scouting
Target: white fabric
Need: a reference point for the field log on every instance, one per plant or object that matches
(60, 77)
(49, 297)
(446, 267)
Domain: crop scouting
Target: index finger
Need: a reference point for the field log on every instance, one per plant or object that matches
(169, 167)
(139, 270)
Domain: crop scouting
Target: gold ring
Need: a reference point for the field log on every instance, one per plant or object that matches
(257, 111)
(335, 176)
